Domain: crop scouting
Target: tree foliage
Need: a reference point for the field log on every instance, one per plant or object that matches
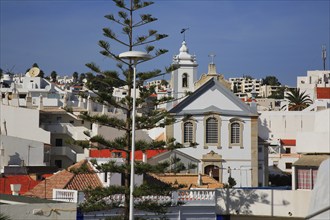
(298, 100)
(53, 76)
(271, 81)
(102, 83)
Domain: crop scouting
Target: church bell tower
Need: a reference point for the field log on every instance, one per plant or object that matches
(184, 77)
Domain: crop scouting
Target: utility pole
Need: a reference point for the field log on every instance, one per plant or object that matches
(324, 55)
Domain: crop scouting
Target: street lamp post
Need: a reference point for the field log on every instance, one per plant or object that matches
(135, 56)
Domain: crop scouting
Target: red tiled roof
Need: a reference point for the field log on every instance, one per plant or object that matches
(84, 181)
(105, 153)
(150, 153)
(288, 142)
(323, 92)
(27, 183)
(45, 188)
(66, 180)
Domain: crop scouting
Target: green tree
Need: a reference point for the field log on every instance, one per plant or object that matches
(1, 73)
(53, 76)
(270, 80)
(82, 77)
(298, 100)
(102, 82)
(75, 76)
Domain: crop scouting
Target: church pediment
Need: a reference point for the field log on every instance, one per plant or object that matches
(213, 97)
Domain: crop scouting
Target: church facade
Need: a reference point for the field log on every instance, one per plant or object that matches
(224, 129)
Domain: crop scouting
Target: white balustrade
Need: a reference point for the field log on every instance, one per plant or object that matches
(65, 195)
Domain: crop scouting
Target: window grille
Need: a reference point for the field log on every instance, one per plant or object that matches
(188, 132)
(212, 131)
(235, 133)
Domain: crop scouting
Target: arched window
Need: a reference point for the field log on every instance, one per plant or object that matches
(235, 128)
(211, 131)
(185, 80)
(235, 133)
(188, 132)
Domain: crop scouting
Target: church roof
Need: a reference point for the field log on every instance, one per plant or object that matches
(215, 104)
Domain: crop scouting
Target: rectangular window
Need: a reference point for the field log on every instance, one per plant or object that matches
(288, 150)
(105, 177)
(58, 163)
(58, 142)
(306, 178)
(288, 166)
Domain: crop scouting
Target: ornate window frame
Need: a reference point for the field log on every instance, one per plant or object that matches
(193, 122)
(218, 143)
(241, 127)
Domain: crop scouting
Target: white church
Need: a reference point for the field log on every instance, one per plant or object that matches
(224, 128)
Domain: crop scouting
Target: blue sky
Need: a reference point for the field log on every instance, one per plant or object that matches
(257, 38)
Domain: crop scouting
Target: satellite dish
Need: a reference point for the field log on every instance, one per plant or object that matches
(34, 71)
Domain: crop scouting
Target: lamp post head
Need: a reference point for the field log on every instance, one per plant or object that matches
(135, 55)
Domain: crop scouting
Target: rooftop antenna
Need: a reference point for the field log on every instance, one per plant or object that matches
(183, 32)
(324, 55)
(212, 55)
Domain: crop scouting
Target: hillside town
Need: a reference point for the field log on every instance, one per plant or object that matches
(249, 141)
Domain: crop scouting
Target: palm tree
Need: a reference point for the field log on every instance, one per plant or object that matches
(298, 100)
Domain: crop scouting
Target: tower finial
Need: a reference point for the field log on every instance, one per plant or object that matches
(183, 30)
(212, 55)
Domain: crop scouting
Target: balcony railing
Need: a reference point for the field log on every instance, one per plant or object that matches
(65, 195)
(188, 197)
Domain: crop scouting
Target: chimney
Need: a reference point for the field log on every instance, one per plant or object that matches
(144, 157)
(199, 181)
(15, 188)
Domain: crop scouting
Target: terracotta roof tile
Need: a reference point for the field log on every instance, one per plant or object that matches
(66, 180)
(323, 92)
(190, 180)
(83, 181)
(57, 181)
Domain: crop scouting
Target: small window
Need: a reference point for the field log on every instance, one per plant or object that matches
(58, 163)
(288, 165)
(105, 177)
(72, 122)
(260, 149)
(288, 150)
(58, 142)
(185, 80)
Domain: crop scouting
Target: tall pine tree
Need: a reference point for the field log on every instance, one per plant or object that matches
(103, 82)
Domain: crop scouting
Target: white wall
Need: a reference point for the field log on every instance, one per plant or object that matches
(317, 140)
(18, 151)
(60, 211)
(22, 123)
(278, 203)
(284, 124)
(238, 159)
